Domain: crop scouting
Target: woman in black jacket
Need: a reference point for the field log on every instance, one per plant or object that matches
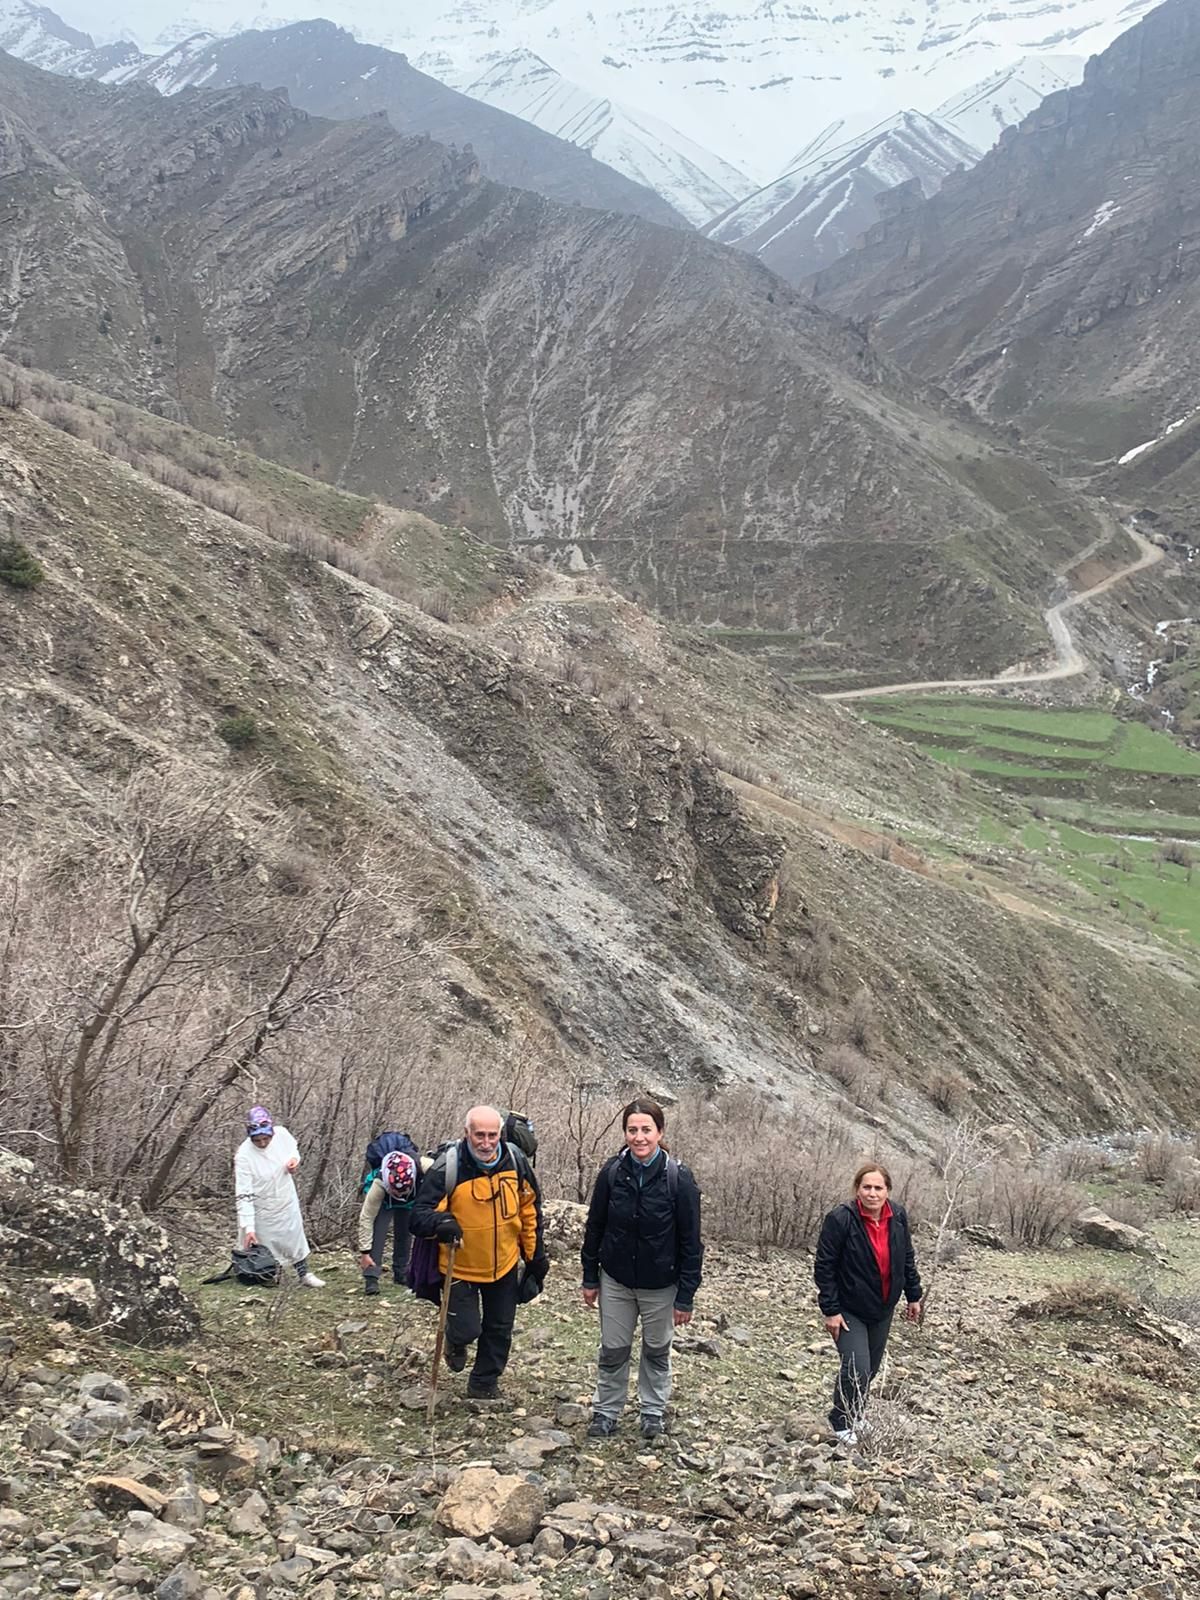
(641, 1258)
(865, 1261)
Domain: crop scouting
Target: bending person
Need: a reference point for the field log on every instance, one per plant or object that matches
(481, 1194)
(865, 1262)
(268, 1207)
(641, 1258)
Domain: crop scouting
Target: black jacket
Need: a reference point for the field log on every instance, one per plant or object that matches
(640, 1234)
(847, 1272)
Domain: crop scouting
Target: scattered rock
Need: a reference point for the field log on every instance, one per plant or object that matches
(125, 1272)
(1095, 1227)
(126, 1494)
(481, 1502)
(151, 1540)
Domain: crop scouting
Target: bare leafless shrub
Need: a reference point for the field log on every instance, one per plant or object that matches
(769, 1176)
(623, 697)
(439, 604)
(1028, 1204)
(1081, 1159)
(846, 1066)
(1158, 1157)
(1129, 1210)
(67, 419)
(1175, 853)
(152, 977)
(948, 1090)
(1082, 1300)
(884, 847)
(861, 1024)
(814, 966)
(1182, 1192)
(14, 390)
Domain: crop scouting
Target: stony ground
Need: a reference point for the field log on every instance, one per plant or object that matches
(286, 1451)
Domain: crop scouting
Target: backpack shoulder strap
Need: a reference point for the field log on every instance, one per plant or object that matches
(523, 1168)
(221, 1276)
(672, 1177)
(451, 1170)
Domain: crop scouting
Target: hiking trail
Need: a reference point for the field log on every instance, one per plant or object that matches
(1071, 662)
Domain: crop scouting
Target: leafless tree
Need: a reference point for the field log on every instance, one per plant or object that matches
(152, 960)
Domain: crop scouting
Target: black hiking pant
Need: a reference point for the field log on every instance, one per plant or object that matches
(860, 1345)
(396, 1217)
(485, 1312)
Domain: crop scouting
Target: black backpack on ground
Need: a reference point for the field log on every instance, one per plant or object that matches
(254, 1266)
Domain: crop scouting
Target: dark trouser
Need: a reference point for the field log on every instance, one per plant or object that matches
(484, 1311)
(860, 1345)
(399, 1216)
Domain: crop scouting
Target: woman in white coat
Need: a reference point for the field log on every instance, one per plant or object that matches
(268, 1207)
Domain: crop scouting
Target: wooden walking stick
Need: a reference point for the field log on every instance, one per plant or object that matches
(451, 1251)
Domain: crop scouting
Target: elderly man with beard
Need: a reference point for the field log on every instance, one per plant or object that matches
(481, 1195)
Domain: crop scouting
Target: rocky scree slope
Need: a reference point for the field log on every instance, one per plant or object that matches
(330, 73)
(1055, 284)
(600, 882)
(1038, 1429)
(588, 386)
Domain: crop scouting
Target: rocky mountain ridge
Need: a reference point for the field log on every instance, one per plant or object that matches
(813, 214)
(1054, 285)
(690, 104)
(326, 71)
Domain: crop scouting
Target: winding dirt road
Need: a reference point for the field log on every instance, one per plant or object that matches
(1070, 662)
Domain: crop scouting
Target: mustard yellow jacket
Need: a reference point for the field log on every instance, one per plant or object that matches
(499, 1212)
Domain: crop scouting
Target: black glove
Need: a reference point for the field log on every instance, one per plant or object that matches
(539, 1266)
(530, 1285)
(448, 1230)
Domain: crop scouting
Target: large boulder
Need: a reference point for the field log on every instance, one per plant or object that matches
(1095, 1227)
(482, 1503)
(123, 1273)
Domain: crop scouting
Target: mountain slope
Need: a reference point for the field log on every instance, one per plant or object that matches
(814, 213)
(611, 906)
(698, 183)
(328, 72)
(589, 386)
(1057, 284)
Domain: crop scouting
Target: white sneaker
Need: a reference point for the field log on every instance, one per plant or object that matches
(845, 1435)
(311, 1281)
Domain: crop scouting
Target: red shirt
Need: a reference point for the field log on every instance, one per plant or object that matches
(877, 1233)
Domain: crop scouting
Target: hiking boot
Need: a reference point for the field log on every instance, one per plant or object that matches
(456, 1357)
(482, 1391)
(652, 1427)
(311, 1281)
(602, 1427)
(371, 1286)
(845, 1435)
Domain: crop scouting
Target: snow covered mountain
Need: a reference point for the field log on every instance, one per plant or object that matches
(39, 36)
(982, 112)
(658, 84)
(698, 183)
(728, 76)
(817, 210)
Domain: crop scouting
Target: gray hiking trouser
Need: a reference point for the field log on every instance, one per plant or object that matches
(620, 1309)
(860, 1345)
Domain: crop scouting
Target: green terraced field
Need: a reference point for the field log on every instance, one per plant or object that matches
(1027, 747)
(1091, 780)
